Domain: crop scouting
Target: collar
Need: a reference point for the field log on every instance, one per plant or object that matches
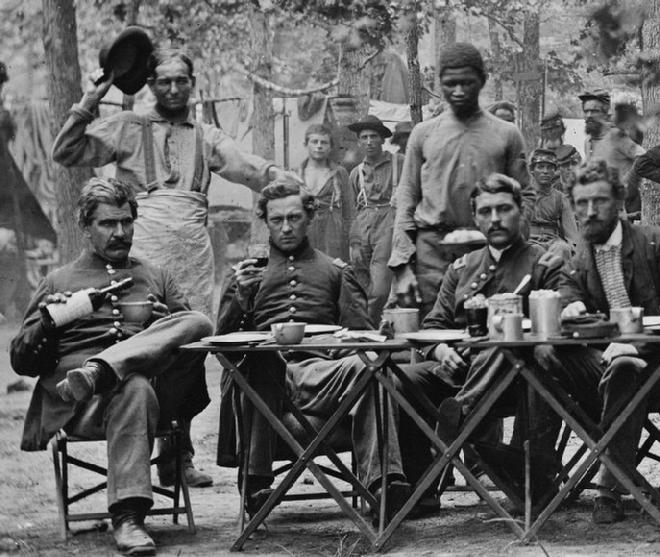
(187, 120)
(91, 259)
(303, 250)
(498, 253)
(333, 166)
(615, 239)
(385, 157)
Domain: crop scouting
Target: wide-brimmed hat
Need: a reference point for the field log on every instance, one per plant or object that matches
(127, 58)
(370, 122)
(401, 130)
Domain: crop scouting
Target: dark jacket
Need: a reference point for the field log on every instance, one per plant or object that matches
(307, 286)
(640, 254)
(478, 273)
(48, 354)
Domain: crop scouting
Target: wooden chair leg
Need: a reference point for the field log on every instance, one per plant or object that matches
(59, 487)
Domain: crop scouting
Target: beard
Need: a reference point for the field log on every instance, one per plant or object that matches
(596, 231)
(593, 127)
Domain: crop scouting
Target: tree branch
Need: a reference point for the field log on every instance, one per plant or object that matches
(286, 91)
(506, 27)
(369, 59)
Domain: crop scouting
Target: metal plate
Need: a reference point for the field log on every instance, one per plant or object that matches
(651, 320)
(437, 335)
(243, 337)
(319, 329)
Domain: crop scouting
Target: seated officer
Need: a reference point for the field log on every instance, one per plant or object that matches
(616, 266)
(461, 379)
(94, 371)
(303, 284)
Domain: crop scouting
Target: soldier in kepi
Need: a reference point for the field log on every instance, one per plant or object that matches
(372, 183)
(553, 223)
(167, 158)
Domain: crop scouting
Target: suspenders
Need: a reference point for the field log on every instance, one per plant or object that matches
(362, 201)
(150, 161)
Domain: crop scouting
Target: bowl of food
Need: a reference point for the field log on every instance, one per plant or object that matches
(136, 312)
(291, 332)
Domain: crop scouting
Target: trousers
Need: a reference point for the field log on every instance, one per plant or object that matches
(602, 392)
(484, 368)
(431, 263)
(375, 225)
(155, 383)
(317, 386)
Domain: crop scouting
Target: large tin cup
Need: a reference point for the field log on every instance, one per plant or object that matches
(502, 304)
(508, 326)
(545, 313)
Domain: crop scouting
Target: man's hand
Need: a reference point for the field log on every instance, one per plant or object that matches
(97, 88)
(57, 298)
(449, 359)
(404, 286)
(574, 309)
(355, 254)
(159, 309)
(275, 173)
(248, 278)
(617, 349)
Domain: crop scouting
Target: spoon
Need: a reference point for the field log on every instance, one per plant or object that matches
(523, 283)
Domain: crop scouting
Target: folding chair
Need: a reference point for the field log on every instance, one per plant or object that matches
(62, 460)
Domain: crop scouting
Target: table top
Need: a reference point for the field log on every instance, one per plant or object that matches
(532, 340)
(307, 346)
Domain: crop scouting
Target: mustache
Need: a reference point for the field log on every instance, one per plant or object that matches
(119, 244)
(496, 228)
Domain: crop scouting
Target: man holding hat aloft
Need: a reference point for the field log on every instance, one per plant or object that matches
(446, 157)
(372, 183)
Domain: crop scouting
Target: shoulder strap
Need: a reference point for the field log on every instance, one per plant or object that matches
(199, 157)
(362, 195)
(148, 147)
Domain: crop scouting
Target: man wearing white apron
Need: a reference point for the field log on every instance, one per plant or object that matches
(167, 157)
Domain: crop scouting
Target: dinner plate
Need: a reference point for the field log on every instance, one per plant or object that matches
(651, 320)
(318, 329)
(237, 338)
(437, 335)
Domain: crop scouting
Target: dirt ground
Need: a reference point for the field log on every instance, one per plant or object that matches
(465, 526)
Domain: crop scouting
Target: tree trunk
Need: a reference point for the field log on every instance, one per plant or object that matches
(496, 51)
(650, 191)
(412, 42)
(263, 116)
(354, 76)
(61, 50)
(531, 82)
(445, 33)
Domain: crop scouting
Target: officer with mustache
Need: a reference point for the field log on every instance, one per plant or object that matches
(457, 381)
(596, 108)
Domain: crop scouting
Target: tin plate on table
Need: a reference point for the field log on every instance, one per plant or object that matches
(243, 337)
(437, 335)
(319, 329)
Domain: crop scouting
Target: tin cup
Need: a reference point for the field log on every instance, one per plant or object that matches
(630, 320)
(402, 320)
(507, 326)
